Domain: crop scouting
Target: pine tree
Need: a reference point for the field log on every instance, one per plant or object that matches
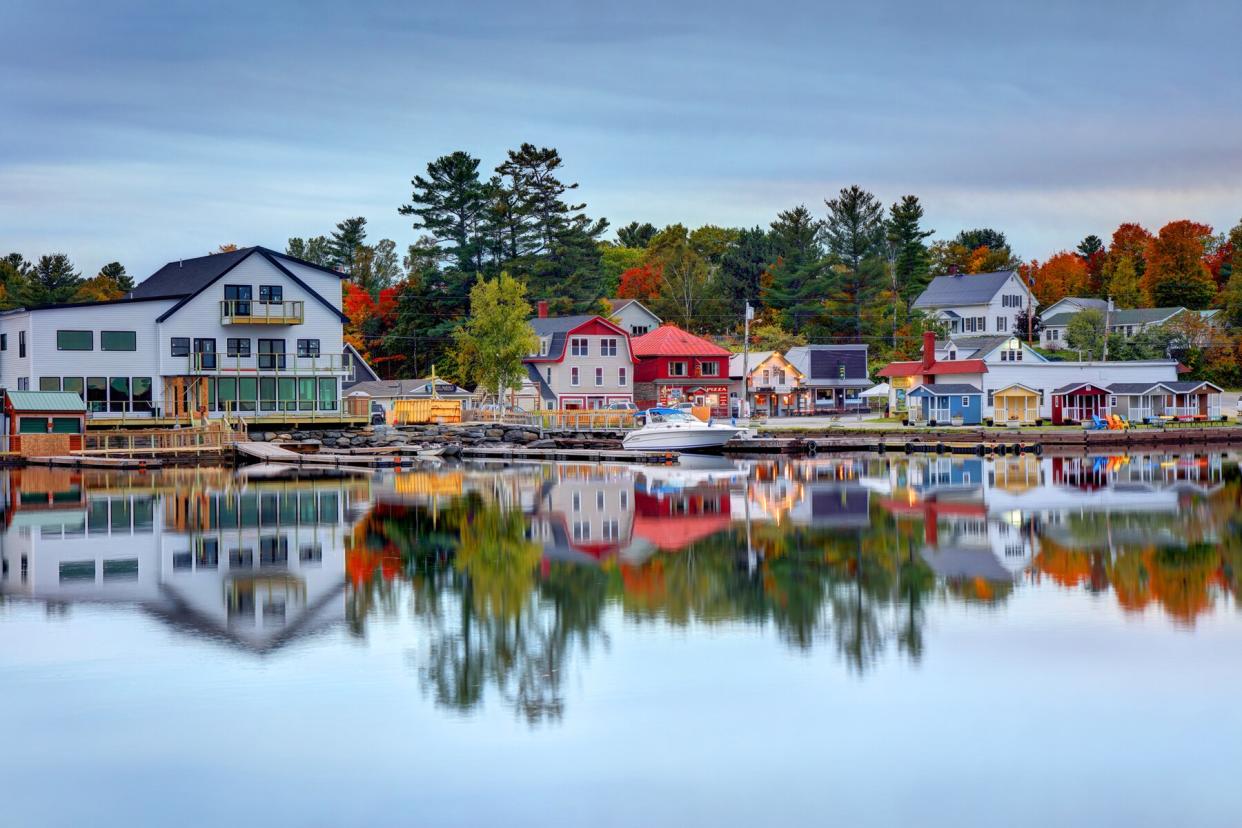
(1090, 245)
(906, 237)
(451, 204)
(348, 237)
(636, 235)
(314, 250)
(743, 266)
(50, 280)
(855, 235)
(115, 272)
(795, 283)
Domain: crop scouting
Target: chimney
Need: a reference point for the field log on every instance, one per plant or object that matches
(543, 308)
(929, 348)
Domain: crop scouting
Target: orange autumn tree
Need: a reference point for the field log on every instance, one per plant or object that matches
(368, 319)
(1176, 273)
(641, 283)
(99, 289)
(1064, 274)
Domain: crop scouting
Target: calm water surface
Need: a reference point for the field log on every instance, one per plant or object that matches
(867, 641)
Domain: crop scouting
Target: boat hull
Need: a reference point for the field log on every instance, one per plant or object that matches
(706, 439)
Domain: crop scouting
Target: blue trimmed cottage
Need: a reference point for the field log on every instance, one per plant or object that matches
(947, 404)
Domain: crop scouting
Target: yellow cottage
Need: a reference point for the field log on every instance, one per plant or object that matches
(1015, 404)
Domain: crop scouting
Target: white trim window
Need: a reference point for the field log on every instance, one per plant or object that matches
(608, 347)
(621, 376)
(965, 402)
(677, 369)
(709, 368)
(599, 376)
(573, 375)
(579, 346)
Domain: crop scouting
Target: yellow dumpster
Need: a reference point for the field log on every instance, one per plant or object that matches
(422, 411)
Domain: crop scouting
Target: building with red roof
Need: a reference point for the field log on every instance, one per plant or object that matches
(672, 366)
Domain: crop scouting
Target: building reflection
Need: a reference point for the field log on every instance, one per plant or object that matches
(251, 563)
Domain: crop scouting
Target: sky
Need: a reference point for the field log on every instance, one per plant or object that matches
(147, 132)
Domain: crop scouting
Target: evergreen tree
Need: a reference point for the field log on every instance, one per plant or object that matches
(907, 240)
(1090, 246)
(982, 237)
(855, 235)
(50, 280)
(795, 285)
(451, 204)
(636, 235)
(742, 268)
(344, 240)
(115, 272)
(315, 250)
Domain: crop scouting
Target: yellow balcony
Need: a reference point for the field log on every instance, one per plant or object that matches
(252, 312)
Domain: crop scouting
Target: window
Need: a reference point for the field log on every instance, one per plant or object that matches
(991, 397)
(97, 393)
(599, 376)
(141, 393)
(267, 393)
(118, 341)
(709, 369)
(75, 340)
(237, 299)
(677, 369)
(621, 377)
(118, 394)
(238, 347)
(49, 383)
(575, 501)
(1112, 401)
(75, 385)
(4, 342)
(548, 374)
(608, 347)
(573, 375)
(965, 401)
(308, 347)
(23, 383)
(271, 293)
(205, 353)
(578, 346)
(271, 354)
(1001, 323)
(180, 346)
(21, 344)
(639, 330)
(327, 393)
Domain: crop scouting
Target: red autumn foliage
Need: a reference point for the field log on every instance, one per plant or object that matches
(641, 283)
(1064, 274)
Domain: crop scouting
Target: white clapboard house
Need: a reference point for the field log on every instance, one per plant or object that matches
(977, 303)
(252, 333)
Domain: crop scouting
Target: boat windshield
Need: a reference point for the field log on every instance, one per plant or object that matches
(667, 415)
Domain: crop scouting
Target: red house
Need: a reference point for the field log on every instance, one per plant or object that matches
(672, 366)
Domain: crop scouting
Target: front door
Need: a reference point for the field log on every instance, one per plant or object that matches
(238, 300)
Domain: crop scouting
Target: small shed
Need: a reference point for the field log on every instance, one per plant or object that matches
(1139, 401)
(946, 404)
(1078, 402)
(44, 423)
(1015, 404)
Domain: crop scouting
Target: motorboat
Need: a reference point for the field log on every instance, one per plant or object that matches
(670, 429)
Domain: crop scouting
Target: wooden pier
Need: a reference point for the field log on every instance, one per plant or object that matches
(598, 455)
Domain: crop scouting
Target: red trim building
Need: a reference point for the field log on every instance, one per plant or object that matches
(672, 366)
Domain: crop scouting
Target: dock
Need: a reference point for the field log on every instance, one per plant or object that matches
(597, 455)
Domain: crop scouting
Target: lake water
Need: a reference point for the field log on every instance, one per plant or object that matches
(847, 641)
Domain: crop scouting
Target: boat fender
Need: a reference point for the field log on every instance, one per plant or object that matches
(1017, 449)
(939, 448)
(979, 450)
(909, 448)
(1038, 448)
(811, 448)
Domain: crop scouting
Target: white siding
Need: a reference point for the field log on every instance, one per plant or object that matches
(1049, 376)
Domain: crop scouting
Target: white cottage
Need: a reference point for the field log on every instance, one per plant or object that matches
(977, 303)
(253, 333)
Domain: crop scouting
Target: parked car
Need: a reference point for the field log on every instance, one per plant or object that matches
(622, 405)
(378, 415)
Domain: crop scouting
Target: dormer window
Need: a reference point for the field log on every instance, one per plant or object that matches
(952, 353)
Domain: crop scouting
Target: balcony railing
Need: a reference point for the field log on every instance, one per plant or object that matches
(287, 364)
(252, 312)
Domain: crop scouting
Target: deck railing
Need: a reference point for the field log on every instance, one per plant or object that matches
(260, 363)
(559, 420)
(254, 312)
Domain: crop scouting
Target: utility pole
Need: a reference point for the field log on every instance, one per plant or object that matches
(1108, 312)
(748, 314)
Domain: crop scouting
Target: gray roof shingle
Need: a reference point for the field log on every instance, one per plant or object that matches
(1121, 316)
(950, 388)
(963, 289)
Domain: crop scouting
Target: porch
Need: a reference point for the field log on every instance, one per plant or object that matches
(1015, 405)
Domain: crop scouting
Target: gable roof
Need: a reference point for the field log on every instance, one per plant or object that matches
(1122, 316)
(943, 389)
(1078, 386)
(940, 366)
(69, 401)
(757, 358)
(1083, 303)
(670, 340)
(1021, 385)
(1139, 388)
(202, 273)
(965, 288)
(362, 364)
(558, 328)
(407, 388)
(618, 305)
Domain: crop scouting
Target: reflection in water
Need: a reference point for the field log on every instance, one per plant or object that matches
(512, 574)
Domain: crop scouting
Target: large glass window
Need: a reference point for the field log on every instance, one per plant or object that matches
(238, 298)
(327, 393)
(118, 391)
(308, 347)
(142, 393)
(271, 354)
(248, 393)
(238, 347)
(118, 341)
(226, 391)
(271, 293)
(288, 394)
(49, 383)
(267, 393)
(97, 393)
(180, 346)
(306, 393)
(75, 340)
(75, 385)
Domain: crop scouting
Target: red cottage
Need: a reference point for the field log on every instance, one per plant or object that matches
(672, 366)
